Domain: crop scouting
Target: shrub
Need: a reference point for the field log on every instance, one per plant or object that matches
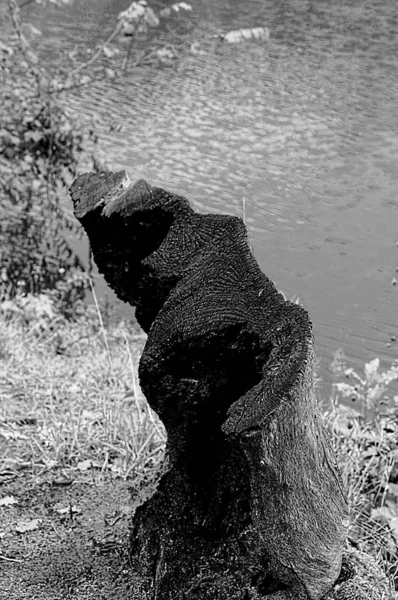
(40, 147)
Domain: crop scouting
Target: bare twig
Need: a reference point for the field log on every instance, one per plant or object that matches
(135, 387)
(56, 530)
(98, 52)
(101, 321)
(23, 45)
(139, 60)
(2, 557)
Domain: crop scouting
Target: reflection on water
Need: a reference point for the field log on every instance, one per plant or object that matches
(303, 127)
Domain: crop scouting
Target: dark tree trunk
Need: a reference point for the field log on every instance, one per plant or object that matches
(251, 502)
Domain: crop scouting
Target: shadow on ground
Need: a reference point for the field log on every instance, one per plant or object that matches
(78, 549)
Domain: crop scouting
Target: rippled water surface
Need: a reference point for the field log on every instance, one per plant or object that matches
(302, 130)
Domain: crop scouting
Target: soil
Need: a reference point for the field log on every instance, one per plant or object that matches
(78, 547)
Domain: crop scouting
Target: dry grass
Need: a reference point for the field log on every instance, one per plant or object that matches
(70, 400)
(367, 451)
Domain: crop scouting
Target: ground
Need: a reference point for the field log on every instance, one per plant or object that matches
(78, 549)
(80, 448)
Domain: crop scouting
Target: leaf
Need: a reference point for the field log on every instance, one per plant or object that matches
(75, 388)
(33, 136)
(72, 55)
(13, 434)
(110, 73)
(85, 80)
(394, 527)
(57, 2)
(36, 185)
(62, 481)
(117, 469)
(238, 35)
(24, 526)
(371, 370)
(370, 452)
(8, 501)
(151, 18)
(68, 510)
(6, 49)
(343, 424)
(33, 30)
(182, 6)
(260, 33)
(137, 12)
(345, 389)
(166, 55)
(166, 12)
(94, 416)
(387, 514)
(195, 48)
(34, 59)
(108, 52)
(84, 465)
(133, 12)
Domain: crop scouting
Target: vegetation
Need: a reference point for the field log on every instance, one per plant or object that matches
(41, 145)
(71, 387)
(69, 397)
(70, 401)
(42, 141)
(366, 444)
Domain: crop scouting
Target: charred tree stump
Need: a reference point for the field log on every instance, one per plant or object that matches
(251, 502)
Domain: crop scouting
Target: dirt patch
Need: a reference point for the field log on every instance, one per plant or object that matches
(63, 538)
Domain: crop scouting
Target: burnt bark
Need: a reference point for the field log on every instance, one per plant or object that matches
(251, 502)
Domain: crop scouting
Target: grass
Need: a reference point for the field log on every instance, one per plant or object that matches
(70, 401)
(366, 446)
(69, 398)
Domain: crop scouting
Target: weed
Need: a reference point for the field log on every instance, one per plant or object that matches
(366, 444)
(69, 393)
(70, 401)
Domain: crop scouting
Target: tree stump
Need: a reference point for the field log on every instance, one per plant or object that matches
(251, 501)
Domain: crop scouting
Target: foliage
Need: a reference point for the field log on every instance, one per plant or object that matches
(166, 12)
(366, 443)
(69, 400)
(40, 147)
(38, 150)
(371, 388)
(41, 144)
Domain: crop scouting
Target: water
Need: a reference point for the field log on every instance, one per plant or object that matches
(302, 130)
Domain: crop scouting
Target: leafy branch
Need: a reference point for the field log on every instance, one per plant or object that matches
(23, 44)
(40, 149)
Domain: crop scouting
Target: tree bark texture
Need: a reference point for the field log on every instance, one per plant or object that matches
(251, 503)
